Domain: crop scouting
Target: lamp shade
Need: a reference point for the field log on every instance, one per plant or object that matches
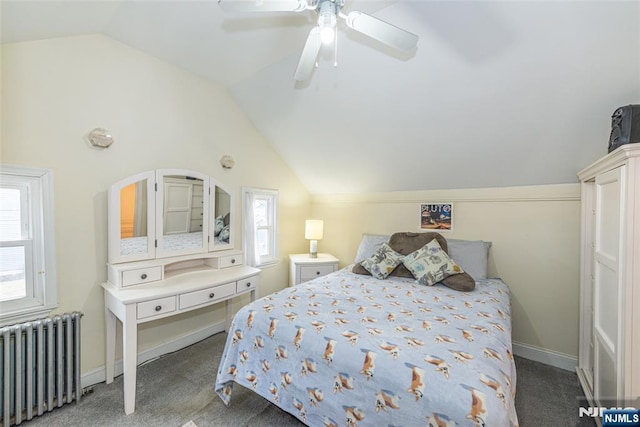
(313, 229)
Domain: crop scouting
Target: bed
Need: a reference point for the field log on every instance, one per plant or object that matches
(350, 349)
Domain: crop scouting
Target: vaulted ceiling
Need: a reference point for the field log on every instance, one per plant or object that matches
(498, 93)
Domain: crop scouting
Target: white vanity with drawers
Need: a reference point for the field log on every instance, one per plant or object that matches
(160, 264)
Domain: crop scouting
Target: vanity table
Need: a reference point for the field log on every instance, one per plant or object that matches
(170, 252)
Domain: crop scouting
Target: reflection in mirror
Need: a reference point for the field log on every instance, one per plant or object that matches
(182, 213)
(222, 222)
(133, 218)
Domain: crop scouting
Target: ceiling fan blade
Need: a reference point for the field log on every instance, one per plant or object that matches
(263, 5)
(382, 31)
(309, 55)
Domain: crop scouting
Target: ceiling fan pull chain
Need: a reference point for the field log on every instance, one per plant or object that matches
(335, 52)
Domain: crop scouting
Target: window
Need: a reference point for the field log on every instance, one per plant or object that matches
(27, 264)
(259, 209)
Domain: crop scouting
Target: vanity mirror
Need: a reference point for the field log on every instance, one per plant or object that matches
(223, 213)
(131, 221)
(167, 213)
(181, 209)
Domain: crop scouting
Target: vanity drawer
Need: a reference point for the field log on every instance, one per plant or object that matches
(247, 284)
(156, 307)
(230, 261)
(141, 275)
(311, 272)
(204, 296)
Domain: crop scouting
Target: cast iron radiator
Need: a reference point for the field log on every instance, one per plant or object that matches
(40, 367)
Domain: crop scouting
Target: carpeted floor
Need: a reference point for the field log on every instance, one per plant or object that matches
(177, 390)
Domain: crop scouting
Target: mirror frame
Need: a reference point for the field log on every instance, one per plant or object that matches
(212, 218)
(113, 222)
(155, 200)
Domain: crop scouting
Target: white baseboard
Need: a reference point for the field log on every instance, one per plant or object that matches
(548, 357)
(98, 375)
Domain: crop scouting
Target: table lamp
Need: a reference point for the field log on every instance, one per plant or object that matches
(313, 232)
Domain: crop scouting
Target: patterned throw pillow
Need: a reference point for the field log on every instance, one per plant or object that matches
(382, 262)
(430, 264)
(224, 234)
(219, 225)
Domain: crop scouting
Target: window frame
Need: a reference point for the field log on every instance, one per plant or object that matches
(272, 197)
(39, 245)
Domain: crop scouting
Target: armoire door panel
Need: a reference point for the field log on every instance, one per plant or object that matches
(177, 206)
(606, 306)
(607, 286)
(605, 381)
(608, 214)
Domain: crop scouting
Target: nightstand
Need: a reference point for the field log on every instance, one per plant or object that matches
(304, 268)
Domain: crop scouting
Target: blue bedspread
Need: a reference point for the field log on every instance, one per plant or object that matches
(348, 350)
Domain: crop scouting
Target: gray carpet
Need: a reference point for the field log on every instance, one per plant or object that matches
(178, 388)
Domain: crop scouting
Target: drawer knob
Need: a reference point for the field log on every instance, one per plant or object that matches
(248, 284)
(211, 295)
(317, 273)
(233, 260)
(144, 276)
(158, 307)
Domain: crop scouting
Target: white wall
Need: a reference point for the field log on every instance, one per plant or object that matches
(55, 91)
(535, 231)
(534, 82)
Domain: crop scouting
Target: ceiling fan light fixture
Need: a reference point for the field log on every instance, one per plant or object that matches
(327, 34)
(327, 21)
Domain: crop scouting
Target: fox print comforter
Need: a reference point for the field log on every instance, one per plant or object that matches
(352, 350)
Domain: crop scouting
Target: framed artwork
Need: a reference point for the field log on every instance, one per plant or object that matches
(436, 216)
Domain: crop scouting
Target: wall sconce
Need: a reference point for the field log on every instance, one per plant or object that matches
(313, 231)
(100, 138)
(227, 162)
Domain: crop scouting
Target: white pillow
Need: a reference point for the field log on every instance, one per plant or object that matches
(471, 255)
(369, 244)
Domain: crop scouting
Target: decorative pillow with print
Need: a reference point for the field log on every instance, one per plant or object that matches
(430, 264)
(224, 234)
(382, 262)
(219, 225)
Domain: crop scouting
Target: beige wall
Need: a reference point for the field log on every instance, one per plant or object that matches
(54, 92)
(535, 232)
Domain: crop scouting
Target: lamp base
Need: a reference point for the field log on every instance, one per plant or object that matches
(313, 249)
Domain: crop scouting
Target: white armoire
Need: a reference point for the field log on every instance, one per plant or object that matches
(609, 353)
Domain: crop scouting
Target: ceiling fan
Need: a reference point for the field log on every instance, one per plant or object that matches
(325, 32)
